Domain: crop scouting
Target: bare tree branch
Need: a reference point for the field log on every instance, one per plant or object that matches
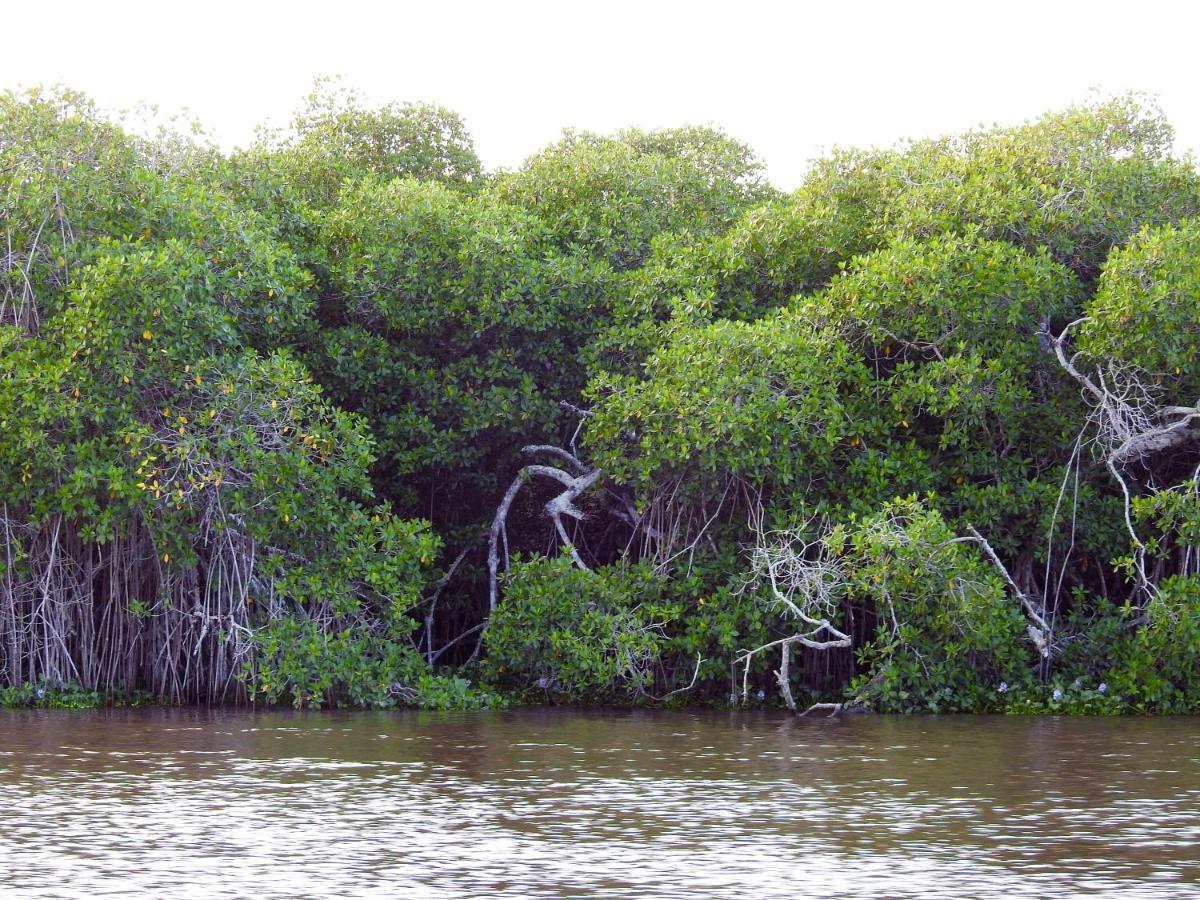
(1038, 629)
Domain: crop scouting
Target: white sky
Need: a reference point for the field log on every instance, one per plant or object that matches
(787, 78)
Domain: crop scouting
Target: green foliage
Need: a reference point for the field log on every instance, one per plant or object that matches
(160, 442)
(336, 135)
(894, 372)
(1076, 183)
(310, 665)
(948, 631)
(1060, 697)
(453, 327)
(44, 695)
(724, 398)
(248, 400)
(608, 197)
(1157, 668)
(1147, 309)
(717, 621)
(577, 636)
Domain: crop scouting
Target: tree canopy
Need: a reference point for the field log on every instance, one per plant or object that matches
(345, 418)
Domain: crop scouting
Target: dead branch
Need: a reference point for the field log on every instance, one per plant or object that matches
(809, 584)
(1130, 428)
(559, 506)
(1125, 409)
(1037, 629)
(834, 709)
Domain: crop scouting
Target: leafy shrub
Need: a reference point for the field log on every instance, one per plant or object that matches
(575, 635)
(309, 665)
(949, 631)
(46, 695)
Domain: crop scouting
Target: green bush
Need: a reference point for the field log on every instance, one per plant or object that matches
(44, 695)
(577, 636)
(311, 665)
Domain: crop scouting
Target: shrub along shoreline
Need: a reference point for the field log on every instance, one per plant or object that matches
(342, 419)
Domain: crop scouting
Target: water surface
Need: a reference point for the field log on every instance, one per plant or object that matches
(555, 803)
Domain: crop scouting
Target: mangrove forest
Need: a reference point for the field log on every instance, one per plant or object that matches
(342, 418)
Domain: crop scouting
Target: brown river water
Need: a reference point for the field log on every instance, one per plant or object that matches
(561, 803)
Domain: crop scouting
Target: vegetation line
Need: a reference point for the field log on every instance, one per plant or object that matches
(344, 419)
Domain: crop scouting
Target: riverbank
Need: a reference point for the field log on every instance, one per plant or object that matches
(1076, 698)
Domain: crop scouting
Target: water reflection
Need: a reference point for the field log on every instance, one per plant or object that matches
(556, 803)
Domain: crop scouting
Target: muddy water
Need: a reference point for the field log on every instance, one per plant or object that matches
(555, 803)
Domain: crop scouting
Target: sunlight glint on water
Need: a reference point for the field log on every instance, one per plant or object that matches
(558, 803)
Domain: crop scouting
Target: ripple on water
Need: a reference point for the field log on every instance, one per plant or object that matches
(552, 803)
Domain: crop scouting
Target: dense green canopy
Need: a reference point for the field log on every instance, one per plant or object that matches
(342, 417)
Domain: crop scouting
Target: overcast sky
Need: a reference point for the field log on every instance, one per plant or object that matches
(788, 78)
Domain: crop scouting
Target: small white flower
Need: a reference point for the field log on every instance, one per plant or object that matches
(1057, 693)
(1003, 687)
(1102, 687)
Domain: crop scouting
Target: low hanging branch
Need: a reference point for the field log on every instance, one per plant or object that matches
(810, 580)
(574, 482)
(1037, 628)
(808, 584)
